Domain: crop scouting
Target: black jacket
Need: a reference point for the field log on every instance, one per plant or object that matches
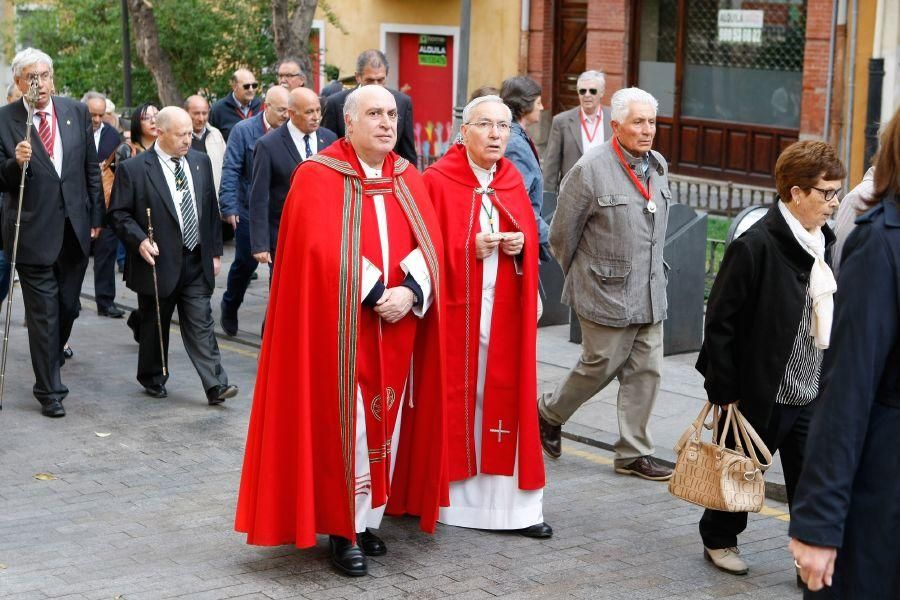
(50, 198)
(109, 142)
(333, 119)
(753, 315)
(141, 184)
(275, 158)
(226, 113)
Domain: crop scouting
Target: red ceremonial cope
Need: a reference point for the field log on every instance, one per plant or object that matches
(591, 136)
(645, 192)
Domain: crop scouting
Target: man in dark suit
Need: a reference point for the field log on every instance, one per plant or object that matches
(62, 210)
(106, 140)
(372, 69)
(240, 104)
(274, 160)
(234, 198)
(176, 184)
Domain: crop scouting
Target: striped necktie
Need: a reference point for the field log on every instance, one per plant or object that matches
(45, 132)
(190, 233)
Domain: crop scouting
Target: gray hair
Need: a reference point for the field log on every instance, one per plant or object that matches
(110, 107)
(371, 58)
(467, 111)
(622, 100)
(28, 57)
(11, 89)
(93, 95)
(351, 105)
(593, 76)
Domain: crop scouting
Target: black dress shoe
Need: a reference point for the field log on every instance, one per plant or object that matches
(220, 393)
(229, 324)
(156, 391)
(551, 437)
(68, 352)
(541, 530)
(134, 323)
(371, 544)
(113, 312)
(53, 408)
(348, 558)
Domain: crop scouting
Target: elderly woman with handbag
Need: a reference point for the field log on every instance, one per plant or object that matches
(768, 321)
(845, 521)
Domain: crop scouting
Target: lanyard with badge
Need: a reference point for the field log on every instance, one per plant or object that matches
(645, 192)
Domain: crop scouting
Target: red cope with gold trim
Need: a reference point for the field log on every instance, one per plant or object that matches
(511, 381)
(320, 343)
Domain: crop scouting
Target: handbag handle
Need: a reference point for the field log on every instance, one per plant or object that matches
(753, 441)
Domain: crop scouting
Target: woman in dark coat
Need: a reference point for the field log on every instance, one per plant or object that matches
(767, 324)
(845, 524)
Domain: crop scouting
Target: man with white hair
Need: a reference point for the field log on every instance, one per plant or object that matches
(608, 234)
(175, 184)
(62, 211)
(490, 290)
(206, 138)
(574, 132)
(354, 311)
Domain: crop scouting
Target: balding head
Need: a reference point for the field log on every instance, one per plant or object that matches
(305, 110)
(277, 105)
(174, 127)
(198, 109)
(244, 85)
(370, 117)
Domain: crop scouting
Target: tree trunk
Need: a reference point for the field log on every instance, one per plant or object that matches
(291, 29)
(146, 38)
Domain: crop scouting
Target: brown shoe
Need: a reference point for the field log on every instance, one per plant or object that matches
(646, 467)
(551, 437)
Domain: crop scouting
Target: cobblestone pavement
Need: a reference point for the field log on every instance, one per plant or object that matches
(142, 496)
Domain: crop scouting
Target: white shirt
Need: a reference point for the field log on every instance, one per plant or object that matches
(168, 168)
(595, 120)
(97, 140)
(298, 135)
(490, 263)
(54, 127)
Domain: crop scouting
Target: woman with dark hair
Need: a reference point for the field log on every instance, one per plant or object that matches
(768, 322)
(523, 97)
(143, 132)
(845, 522)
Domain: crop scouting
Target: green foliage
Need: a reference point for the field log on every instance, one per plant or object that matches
(206, 41)
(716, 231)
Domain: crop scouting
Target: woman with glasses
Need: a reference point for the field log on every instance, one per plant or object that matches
(523, 97)
(143, 132)
(768, 322)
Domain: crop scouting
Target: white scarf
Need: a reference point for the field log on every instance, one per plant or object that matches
(822, 285)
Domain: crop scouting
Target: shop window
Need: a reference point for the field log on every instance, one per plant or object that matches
(656, 72)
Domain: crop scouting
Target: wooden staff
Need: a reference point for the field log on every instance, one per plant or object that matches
(31, 98)
(162, 349)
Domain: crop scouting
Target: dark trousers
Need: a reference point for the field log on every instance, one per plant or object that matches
(242, 268)
(106, 247)
(51, 297)
(191, 297)
(785, 433)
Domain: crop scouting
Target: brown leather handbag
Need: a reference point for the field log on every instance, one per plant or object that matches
(714, 476)
(107, 175)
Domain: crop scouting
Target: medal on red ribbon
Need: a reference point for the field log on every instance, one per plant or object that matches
(645, 191)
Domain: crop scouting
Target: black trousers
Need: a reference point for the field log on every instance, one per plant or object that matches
(105, 249)
(786, 433)
(51, 297)
(191, 297)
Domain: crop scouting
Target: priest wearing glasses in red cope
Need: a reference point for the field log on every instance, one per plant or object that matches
(608, 234)
(490, 290)
(347, 419)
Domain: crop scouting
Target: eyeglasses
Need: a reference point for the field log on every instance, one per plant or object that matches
(286, 75)
(502, 126)
(829, 195)
(583, 91)
(148, 117)
(250, 86)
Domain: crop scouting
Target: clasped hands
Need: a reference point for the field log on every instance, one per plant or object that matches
(511, 243)
(394, 303)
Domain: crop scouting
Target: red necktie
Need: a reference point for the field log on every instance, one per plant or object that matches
(45, 132)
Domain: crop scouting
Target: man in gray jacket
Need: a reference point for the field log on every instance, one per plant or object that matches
(608, 234)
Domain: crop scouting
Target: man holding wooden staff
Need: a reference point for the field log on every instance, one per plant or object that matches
(176, 184)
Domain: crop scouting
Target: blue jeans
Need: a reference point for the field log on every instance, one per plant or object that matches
(242, 268)
(4, 276)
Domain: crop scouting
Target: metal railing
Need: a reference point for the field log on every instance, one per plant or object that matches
(718, 197)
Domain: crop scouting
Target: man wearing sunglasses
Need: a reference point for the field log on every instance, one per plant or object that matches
(574, 132)
(240, 104)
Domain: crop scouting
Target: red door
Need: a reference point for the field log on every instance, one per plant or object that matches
(425, 72)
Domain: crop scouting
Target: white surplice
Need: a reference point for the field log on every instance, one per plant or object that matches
(490, 501)
(413, 264)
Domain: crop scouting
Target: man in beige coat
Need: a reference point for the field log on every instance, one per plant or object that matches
(206, 138)
(608, 235)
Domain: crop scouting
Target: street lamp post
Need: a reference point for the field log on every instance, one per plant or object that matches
(126, 54)
(462, 73)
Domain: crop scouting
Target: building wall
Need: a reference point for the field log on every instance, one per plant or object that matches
(494, 47)
(864, 43)
(608, 41)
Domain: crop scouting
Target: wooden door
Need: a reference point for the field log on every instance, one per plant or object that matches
(568, 51)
